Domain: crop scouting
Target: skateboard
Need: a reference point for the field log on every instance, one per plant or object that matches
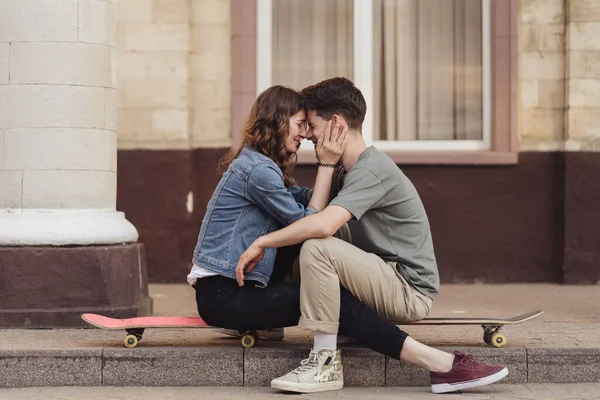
(134, 327)
(491, 326)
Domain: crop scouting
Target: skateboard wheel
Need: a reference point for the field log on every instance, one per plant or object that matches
(248, 341)
(131, 341)
(498, 340)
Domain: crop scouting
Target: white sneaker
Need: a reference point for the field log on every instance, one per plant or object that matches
(266, 334)
(321, 371)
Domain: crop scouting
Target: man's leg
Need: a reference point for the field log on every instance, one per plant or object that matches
(322, 302)
(343, 233)
(322, 370)
(324, 264)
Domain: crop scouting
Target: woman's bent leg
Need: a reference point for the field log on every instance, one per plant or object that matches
(222, 303)
(284, 262)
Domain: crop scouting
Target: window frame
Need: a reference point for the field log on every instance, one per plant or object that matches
(502, 146)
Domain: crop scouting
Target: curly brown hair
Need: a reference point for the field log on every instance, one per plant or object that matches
(337, 96)
(267, 127)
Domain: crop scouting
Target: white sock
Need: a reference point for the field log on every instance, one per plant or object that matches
(324, 341)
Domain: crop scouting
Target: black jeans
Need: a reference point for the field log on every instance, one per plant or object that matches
(221, 302)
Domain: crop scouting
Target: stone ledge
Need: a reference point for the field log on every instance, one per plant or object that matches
(30, 368)
(563, 365)
(235, 366)
(192, 366)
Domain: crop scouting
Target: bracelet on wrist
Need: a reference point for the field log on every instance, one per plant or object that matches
(320, 164)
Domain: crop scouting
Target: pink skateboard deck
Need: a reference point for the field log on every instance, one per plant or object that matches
(135, 326)
(114, 324)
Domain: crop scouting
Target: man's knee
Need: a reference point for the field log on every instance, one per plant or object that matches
(309, 248)
(314, 251)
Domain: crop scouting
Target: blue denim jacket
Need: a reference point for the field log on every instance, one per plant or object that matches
(250, 200)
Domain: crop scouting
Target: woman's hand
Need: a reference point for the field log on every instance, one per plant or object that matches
(332, 143)
(248, 261)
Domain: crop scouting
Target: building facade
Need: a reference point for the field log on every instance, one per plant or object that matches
(521, 207)
(491, 107)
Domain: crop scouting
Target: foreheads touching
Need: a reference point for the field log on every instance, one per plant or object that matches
(335, 96)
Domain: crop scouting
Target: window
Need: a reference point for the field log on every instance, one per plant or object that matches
(424, 66)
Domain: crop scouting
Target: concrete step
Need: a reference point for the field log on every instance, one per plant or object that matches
(562, 346)
(166, 357)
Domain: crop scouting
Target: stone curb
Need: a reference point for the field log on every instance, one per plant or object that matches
(235, 366)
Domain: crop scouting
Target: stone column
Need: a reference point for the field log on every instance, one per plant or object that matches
(58, 168)
(582, 145)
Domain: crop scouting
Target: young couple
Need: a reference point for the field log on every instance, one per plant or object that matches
(258, 221)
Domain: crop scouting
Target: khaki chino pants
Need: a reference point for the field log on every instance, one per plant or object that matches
(325, 263)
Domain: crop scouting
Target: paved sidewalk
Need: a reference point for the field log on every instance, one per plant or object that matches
(571, 314)
(496, 392)
(571, 320)
(561, 346)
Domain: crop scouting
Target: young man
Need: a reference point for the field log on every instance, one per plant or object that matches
(390, 266)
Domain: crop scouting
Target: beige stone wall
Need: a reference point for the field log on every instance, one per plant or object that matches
(174, 74)
(559, 75)
(152, 40)
(541, 43)
(583, 72)
(210, 73)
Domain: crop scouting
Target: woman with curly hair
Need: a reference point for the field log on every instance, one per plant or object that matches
(255, 196)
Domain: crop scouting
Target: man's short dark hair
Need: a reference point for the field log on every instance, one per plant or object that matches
(337, 96)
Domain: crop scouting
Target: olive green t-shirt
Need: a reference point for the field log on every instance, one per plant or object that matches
(389, 219)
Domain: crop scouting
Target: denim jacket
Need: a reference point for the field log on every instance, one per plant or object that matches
(250, 200)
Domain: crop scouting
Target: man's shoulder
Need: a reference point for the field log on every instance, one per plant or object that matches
(381, 166)
(379, 158)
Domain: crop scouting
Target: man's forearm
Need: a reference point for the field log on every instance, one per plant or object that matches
(301, 230)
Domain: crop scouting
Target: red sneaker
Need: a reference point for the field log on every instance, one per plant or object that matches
(465, 373)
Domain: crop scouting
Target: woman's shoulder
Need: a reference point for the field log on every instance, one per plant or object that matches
(249, 159)
(257, 168)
